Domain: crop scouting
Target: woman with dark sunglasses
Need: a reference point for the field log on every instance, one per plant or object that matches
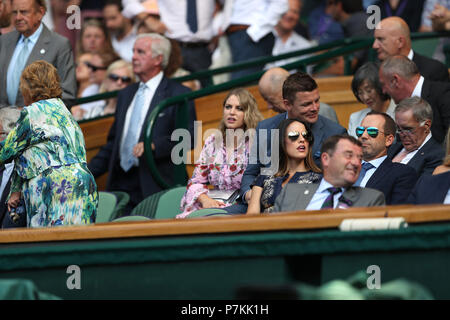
(295, 165)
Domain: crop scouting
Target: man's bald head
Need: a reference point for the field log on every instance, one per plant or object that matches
(392, 37)
(271, 88)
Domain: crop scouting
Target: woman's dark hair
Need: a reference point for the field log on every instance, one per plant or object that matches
(369, 72)
(283, 159)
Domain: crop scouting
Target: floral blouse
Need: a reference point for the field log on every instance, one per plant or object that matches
(213, 169)
(272, 186)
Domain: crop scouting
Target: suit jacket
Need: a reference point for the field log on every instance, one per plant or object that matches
(425, 160)
(431, 69)
(437, 94)
(108, 158)
(296, 197)
(430, 189)
(395, 180)
(50, 47)
(321, 130)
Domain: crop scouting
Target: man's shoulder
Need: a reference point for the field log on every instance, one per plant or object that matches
(330, 126)
(272, 122)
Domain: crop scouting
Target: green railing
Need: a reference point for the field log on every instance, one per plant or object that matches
(344, 47)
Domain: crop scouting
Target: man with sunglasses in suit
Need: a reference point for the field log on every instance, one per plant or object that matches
(341, 163)
(417, 147)
(376, 134)
(32, 41)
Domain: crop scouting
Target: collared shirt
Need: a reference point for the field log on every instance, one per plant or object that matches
(447, 197)
(293, 43)
(410, 54)
(173, 15)
(376, 163)
(9, 167)
(321, 194)
(411, 154)
(124, 47)
(260, 15)
(418, 88)
(20, 44)
(152, 85)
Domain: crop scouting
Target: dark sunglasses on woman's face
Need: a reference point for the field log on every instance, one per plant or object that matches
(293, 135)
(371, 131)
(115, 78)
(94, 68)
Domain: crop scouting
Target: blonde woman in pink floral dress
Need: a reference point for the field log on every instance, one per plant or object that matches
(221, 164)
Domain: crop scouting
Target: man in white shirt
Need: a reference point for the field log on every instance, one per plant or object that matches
(341, 163)
(121, 29)
(376, 133)
(400, 78)
(417, 147)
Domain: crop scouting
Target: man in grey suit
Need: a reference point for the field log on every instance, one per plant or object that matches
(341, 162)
(32, 41)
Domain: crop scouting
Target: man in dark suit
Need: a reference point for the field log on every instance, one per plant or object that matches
(395, 180)
(431, 189)
(32, 41)
(301, 99)
(122, 154)
(417, 147)
(401, 79)
(341, 162)
(392, 37)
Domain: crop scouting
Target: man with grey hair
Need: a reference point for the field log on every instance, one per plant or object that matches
(8, 119)
(122, 156)
(417, 147)
(400, 78)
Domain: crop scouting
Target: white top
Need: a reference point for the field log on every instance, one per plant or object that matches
(124, 47)
(90, 91)
(293, 43)
(357, 117)
(173, 15)
(321, 194)
(152, 85)
(410, 155)
(260, 15)
(376, 163)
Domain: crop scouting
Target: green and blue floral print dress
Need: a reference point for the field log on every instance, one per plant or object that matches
(48, 150)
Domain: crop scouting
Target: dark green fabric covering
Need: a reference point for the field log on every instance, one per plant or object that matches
(21, 289)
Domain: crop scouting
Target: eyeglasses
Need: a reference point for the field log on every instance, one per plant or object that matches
(115, 78)
(371, 131)
(293, 135)
(409, 131)
(94, 68)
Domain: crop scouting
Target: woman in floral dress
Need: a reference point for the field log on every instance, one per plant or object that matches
(48, 149)
(224, 156)
(295, 165)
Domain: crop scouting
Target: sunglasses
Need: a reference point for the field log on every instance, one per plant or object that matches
(293, 135)
(371, 131)
(94, 68)
(115, 78)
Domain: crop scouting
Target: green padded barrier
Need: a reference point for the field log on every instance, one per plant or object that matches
(106, 205)
(131, 218)
(169, 203)
(147, 207)
(208, 211)
(22, 289)
(122, 200)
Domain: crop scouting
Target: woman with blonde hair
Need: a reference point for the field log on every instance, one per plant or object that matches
(295, 165)
(225, 154)
(48, 149)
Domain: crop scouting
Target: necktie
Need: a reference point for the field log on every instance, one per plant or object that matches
(400, 156)
(13, 85)
(329, 202)
(192, 15)
(127, 160)
(365, 167)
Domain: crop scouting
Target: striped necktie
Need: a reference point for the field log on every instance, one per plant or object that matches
(329, 201)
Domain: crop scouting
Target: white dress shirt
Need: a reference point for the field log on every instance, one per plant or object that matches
(174, 12)
(447, 197)
(260, 15)
(417, 92)
(293, 43)
(9, 167)
(152, 85)
(411, 154)
(376, 163)
(321, 194)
